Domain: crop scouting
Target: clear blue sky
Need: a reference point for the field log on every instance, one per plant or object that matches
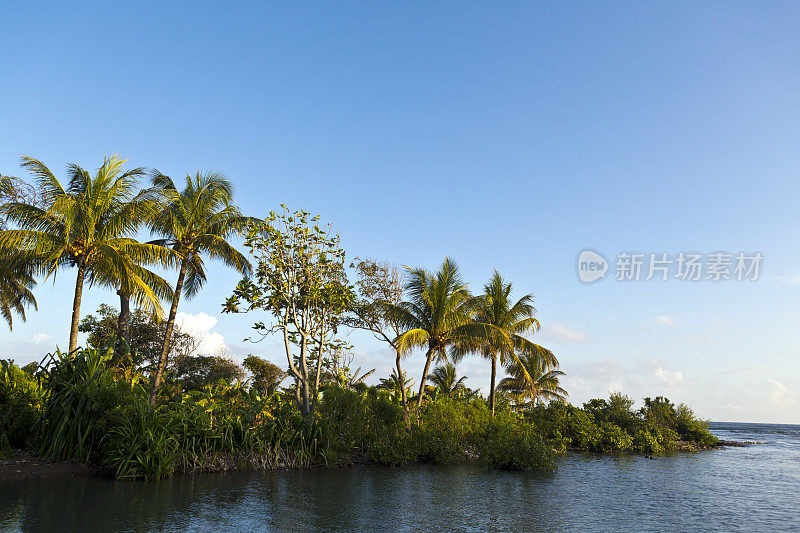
(503, 135)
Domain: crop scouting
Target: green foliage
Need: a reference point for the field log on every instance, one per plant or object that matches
(510, 443)
(266, 376)
(366, 423)
(143, 444)
(198, 371)
(20, 402)
(79, 392)
(301, 281)
(612, 425)
(451, 427)
(146, 337)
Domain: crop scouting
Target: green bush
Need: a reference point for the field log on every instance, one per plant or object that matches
(20, 403)
(614, 438)
(81, 397)
(692, 429)
(143, 444)
(450, 427)
(512, 444)
(646, 442)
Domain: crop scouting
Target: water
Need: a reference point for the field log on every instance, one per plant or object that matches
(756, 488)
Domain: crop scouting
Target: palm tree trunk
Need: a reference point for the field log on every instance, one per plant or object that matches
(402, 384)
(491, 390)
(428, 358)
(124, 320)
(76, 311)
(162, 360)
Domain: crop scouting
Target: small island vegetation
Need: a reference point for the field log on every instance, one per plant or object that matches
(139, 401)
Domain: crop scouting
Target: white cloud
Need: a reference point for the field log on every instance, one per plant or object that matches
(40, 338)
(201, 327)
(670, 378)
(664, 320)
(780, 395)
(561, 333)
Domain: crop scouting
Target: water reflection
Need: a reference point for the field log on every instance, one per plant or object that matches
(746, 489)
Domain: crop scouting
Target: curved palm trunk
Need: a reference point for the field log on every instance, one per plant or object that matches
(173, 310)
(491, 390)
(428, 358)
(76, 311)
(124, 320)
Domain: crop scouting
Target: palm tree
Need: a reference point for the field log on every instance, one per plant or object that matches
(435, 316)
(195, 222)
(16, 284)
(86, 225)
(16, 279)
(396, 383)
(444, 379)
(136, 282)
(533, 378)
(505, 325)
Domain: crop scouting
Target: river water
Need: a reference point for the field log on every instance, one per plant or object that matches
(756, 488)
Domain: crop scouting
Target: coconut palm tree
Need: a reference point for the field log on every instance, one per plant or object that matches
(531, 377)
(136, 284)
(16, 279)
(194, 223)
(16, 284)
(444, 379)
(85, 225)
(395, 383)
(505, 324)
(436, 314)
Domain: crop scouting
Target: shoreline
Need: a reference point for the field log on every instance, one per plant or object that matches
(24, 466)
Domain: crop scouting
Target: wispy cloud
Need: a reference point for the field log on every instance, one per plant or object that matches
(561, 333)
(40, 338)
(664, 320)
(780, 395)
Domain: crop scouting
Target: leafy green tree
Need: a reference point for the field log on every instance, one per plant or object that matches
(531, 378)
(436, 314)
(145, 338)
(266, 375)
(195, 372)
(195, 222)
(505, 324)
(86, 225)
(379, 283)
(444, 379)
(301, 281)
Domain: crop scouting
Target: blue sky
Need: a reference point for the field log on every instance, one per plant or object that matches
(508, 136)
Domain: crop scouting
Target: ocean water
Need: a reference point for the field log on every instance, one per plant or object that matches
(755, 488)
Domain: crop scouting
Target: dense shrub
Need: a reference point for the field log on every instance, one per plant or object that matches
(82, 402)
(20, 402)
(612, 425)
(143, 444)
(450, 427)
(512, 444)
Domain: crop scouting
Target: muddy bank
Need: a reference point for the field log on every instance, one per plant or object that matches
(22, 466)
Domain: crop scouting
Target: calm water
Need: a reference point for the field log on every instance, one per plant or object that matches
(736, 489)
